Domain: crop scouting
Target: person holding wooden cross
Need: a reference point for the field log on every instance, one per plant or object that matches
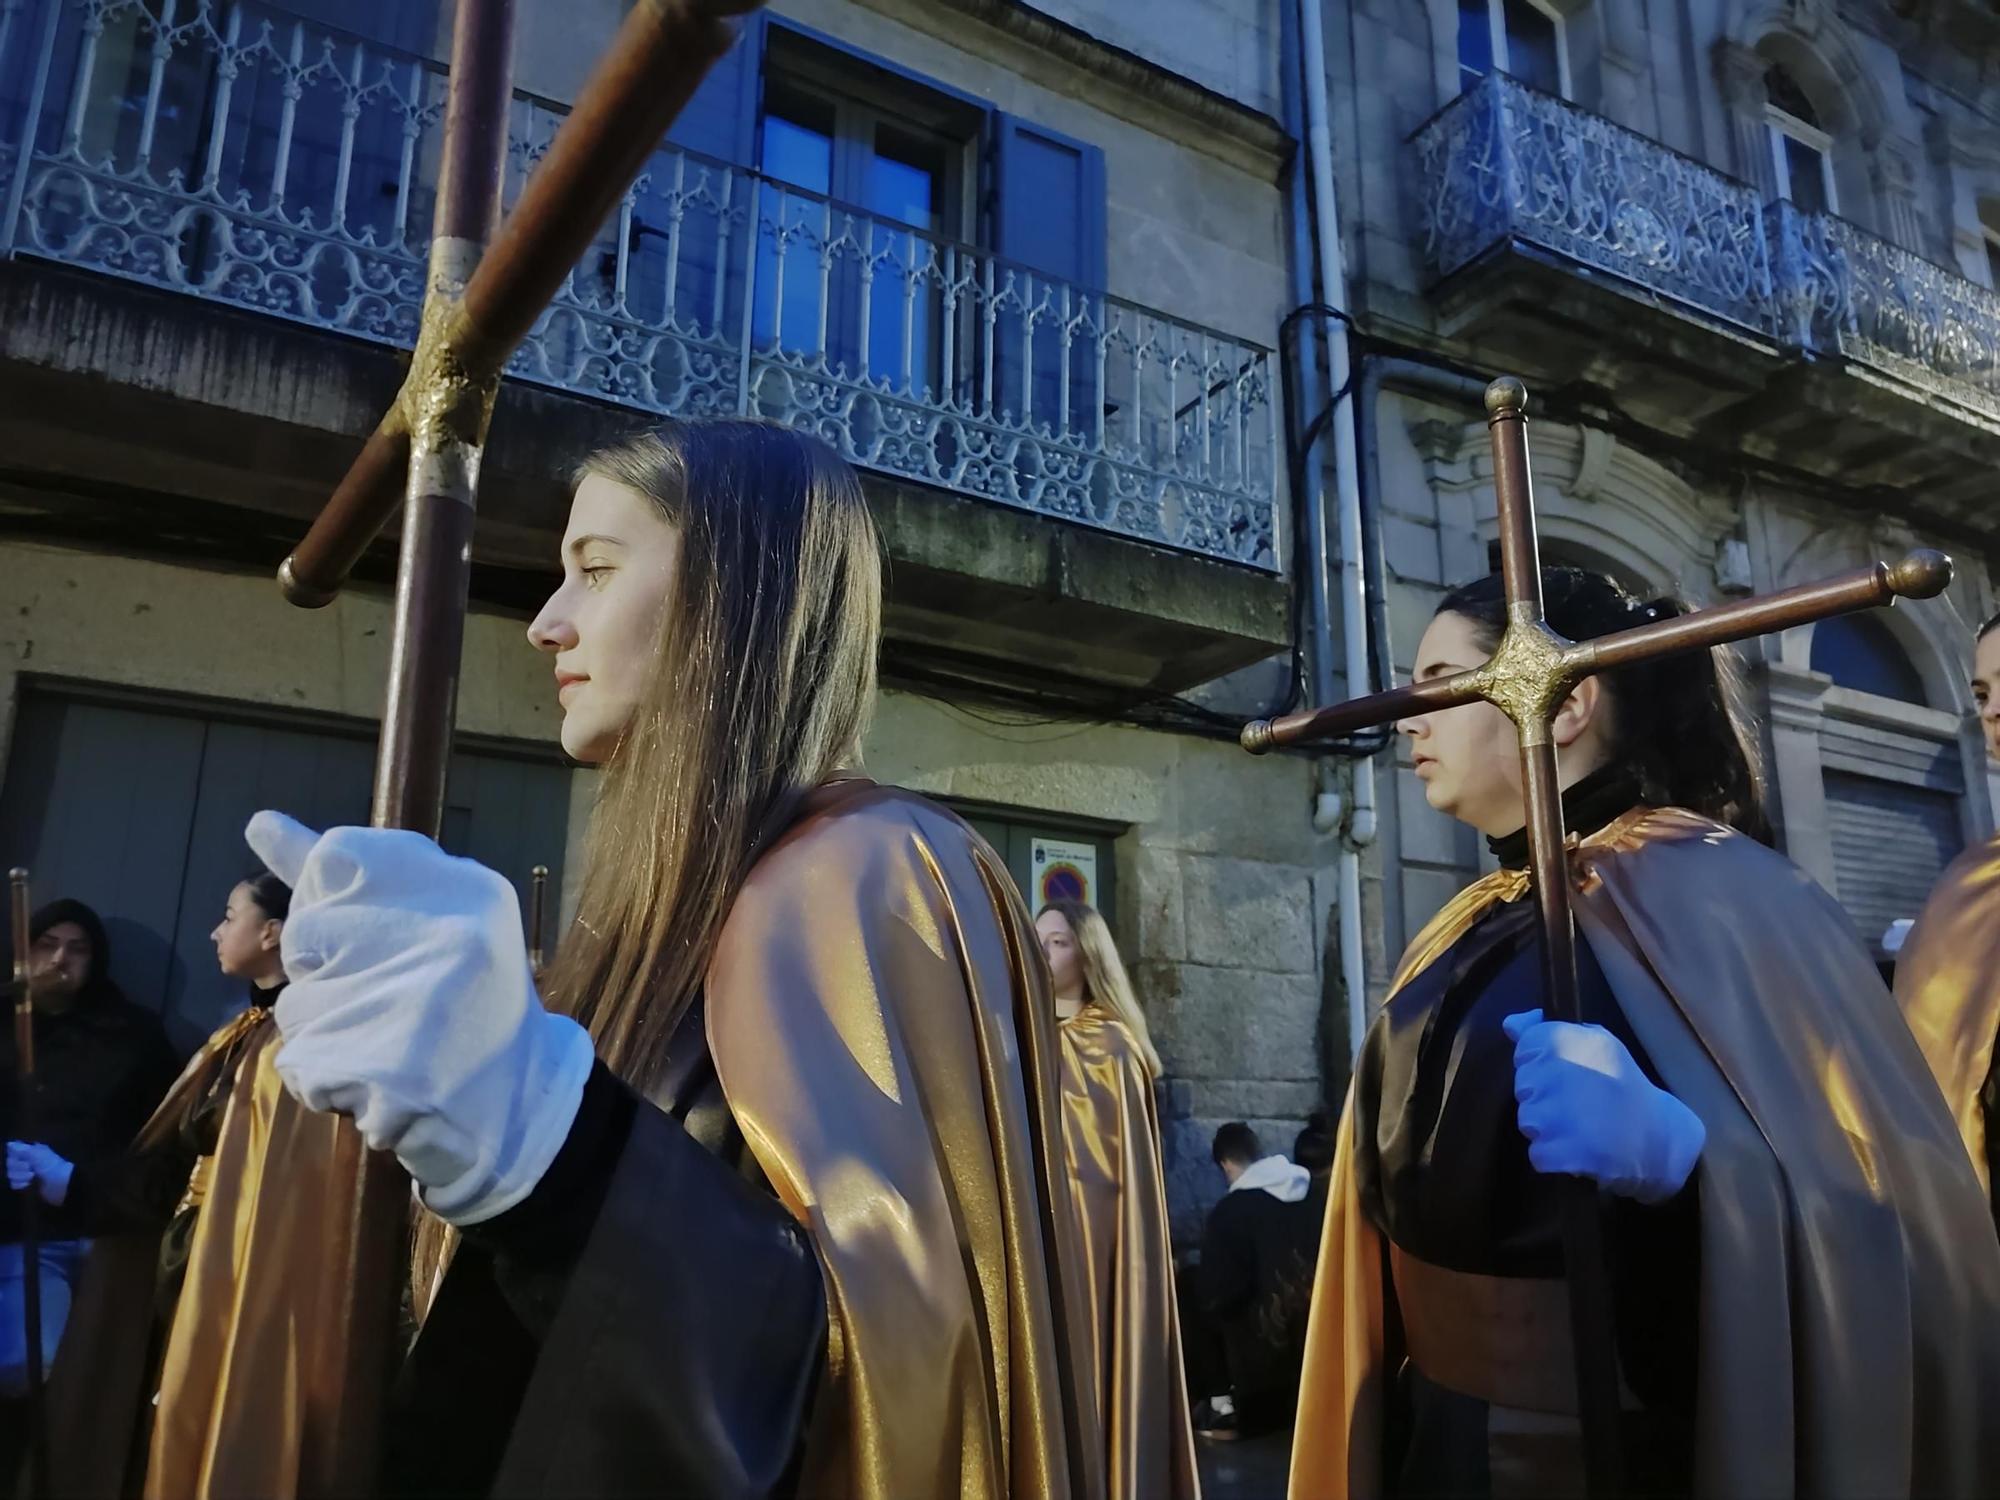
(1948, 964)
(760, 1190)
(1805, 1294)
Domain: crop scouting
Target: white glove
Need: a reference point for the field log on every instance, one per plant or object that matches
(40, 1165)
(1588, 1110)
(412, 1010)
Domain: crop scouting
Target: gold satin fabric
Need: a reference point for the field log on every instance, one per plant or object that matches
(1111, 1143)
(1948, 984)
(1850, 1281)
(102, 1388)
(879, 1016)
(232, 1420)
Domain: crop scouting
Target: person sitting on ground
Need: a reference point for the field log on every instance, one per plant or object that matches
(1257, 1254)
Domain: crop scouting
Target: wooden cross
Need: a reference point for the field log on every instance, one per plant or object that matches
(1529, 676)
(483, 294)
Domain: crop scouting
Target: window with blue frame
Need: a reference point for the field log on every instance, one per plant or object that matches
(1522, 38)
(910, 236)
(1860, 652)
(872, 202)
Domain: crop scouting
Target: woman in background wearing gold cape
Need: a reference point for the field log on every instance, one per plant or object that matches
(1948, 969)
(1111, 1141)
(768, 1198)
(1806, 1292)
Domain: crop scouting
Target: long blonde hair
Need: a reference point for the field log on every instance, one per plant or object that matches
(1105, 982)
(762, 684)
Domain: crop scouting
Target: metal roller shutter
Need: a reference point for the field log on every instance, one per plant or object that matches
(1890, 843)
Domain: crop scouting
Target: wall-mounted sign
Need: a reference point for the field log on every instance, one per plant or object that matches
(1064, 870)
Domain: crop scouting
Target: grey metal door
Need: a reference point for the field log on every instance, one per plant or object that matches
(137, 808)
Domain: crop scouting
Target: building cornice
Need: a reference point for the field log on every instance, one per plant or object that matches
(1140, 90)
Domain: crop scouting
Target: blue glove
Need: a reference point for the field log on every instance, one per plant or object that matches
(1587, 1110)
(411, 1009)
(40, 1165)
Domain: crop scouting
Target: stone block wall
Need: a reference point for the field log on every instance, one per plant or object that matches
(1223, 914)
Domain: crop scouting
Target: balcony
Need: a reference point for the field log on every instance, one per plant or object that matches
(1588, 247)
(237, 155)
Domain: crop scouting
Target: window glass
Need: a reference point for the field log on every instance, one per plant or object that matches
(1805, 167)
(1533, 53)
(1475, 41)
(1784, 93)
(1862, 653)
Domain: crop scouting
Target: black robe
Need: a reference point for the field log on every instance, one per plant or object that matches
(101, 1067)
(623, 1355)
(1445, 1177)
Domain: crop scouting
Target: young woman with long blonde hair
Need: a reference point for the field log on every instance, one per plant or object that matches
(766, 1198)
(1111, 1140)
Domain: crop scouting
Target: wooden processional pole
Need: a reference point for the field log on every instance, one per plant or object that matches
(483, 294)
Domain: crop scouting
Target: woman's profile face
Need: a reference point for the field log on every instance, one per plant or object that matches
(1059, 948)
(246, 939)
(1986, 689)
(602, 626)
(1468, 758)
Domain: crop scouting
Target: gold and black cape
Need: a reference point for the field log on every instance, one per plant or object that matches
(1849, 1285)
(881, 1310)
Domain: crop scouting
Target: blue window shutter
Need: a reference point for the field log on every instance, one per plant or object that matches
(1048, 217)
(721, 119)
(1050, 201)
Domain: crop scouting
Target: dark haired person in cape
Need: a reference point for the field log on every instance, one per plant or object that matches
(1806, 1288)
(757, 1189)
(155, 1255)
(1948, 968)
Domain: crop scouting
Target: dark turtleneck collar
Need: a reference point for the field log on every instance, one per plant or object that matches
(1587, 806)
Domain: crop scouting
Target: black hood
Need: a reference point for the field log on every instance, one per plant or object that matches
(98, 982)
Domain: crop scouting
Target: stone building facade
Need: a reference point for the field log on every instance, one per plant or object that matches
(1030, 267)
(1025, 265)
(1741, 254)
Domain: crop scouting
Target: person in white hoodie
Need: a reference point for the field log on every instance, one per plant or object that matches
(1257, 1254)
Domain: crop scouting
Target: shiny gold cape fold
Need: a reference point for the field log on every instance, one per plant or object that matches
(1948, 985)
(1111, 1140)
(232, 1420)
(101, 1387)
(1850, 1279)
(880, 1021)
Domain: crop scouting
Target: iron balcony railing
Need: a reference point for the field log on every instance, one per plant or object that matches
(234, 152)
(1504, 164)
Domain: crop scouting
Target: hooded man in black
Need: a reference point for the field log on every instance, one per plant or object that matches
(101, 1066)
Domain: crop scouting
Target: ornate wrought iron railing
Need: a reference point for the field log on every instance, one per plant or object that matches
(1503, 162)
(1506, 165)
(227, 149)
(1843, 290)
